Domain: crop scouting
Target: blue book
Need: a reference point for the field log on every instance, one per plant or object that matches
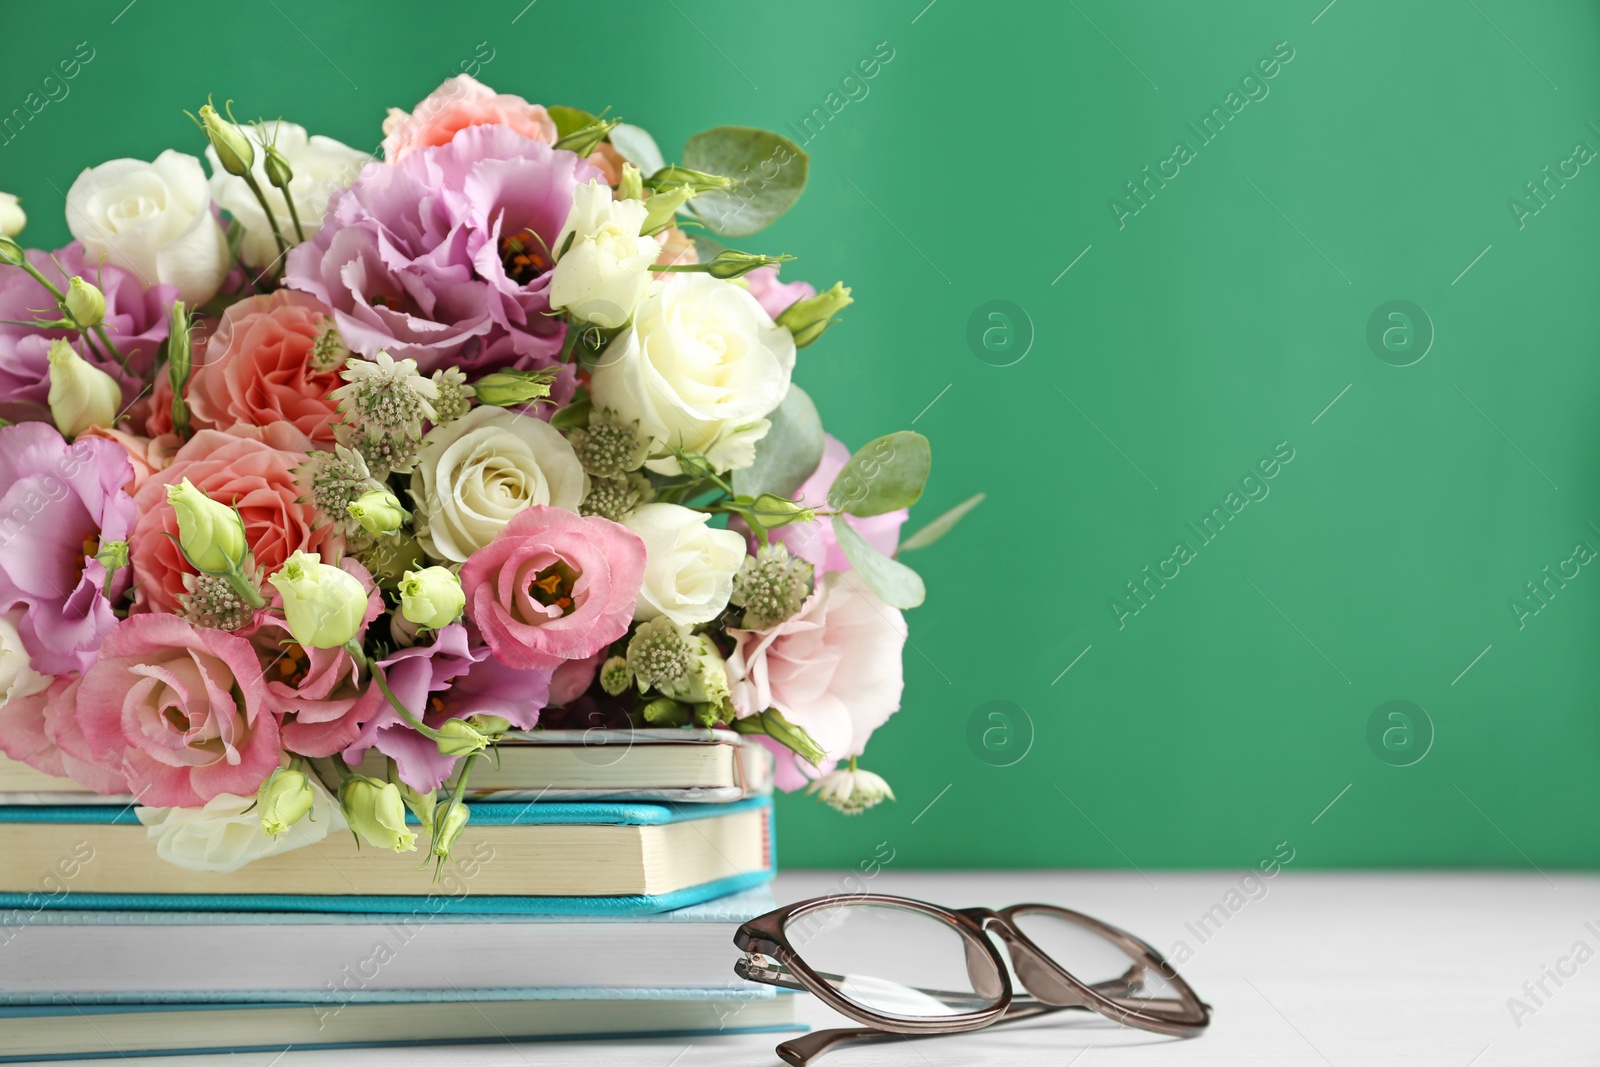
(513, 858)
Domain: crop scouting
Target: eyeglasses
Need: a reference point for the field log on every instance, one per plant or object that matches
(901, 967)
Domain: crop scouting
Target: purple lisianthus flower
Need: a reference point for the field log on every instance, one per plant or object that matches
(136, 320)
(453, 678)
(444, 257)
(59, 505)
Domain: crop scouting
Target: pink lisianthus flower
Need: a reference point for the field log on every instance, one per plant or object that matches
(179, 710)
(814, 541)
(442, 258)
(833, 670)
(41, 730)
(321, 696)
(460, 102)
(58, 504)
(148, 455)
(453, 678)
(553, 586)
(775, 296)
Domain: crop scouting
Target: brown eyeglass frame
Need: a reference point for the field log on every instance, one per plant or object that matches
(772, 960)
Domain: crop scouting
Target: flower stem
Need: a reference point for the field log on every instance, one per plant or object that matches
(272, 219)
(400, 709)
(246, 589)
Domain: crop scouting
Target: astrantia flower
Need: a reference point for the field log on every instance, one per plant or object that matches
(385, 395)
(851, 791)
(609, 446)
(770, 587)
(455, 395)
(615, 498)
(332, 481)
(660, 652)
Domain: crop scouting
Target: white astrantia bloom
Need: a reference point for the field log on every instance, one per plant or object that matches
(17, 676)
(321, 167)
(154, 220)
(603, 273)
(852, 790)
(474, 474)
(700, 368)
(226, 834)
(689, 565)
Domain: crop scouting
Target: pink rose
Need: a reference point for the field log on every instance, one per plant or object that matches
(833, 670)
(179, 710)
(42, 730)
(553, 586)
(460, 102)
(257, 369)
(814, 542)
(253, 469)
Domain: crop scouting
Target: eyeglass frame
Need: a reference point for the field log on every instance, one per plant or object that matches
(1048, 984)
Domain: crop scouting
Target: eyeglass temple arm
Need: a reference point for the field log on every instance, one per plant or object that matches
(800, 1051)
(770, 972)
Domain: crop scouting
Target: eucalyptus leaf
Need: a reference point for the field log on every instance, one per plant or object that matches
(790, 451)
(569, 120)
(940, 526)
(635, 144)
(769, 172)
(896, 584)
(883, 475)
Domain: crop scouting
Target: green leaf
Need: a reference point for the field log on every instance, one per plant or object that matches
(940, 526)
(768, 170)
(635, 144)
(883, 475)
(576, 414)
(788, 454)
(896, 584)
(569, 120)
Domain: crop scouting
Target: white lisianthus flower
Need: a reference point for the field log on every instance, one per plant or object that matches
(601, 277)
(700, 368)
(474, 474)
(689, 566)
(17, 676)
(226, 834)
(12, 217)
(153, 219)
(321, 167)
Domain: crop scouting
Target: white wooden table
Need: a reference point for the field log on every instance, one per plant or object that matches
(1322, 970)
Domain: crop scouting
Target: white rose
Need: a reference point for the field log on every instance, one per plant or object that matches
(226, 834)
(700, 368)
(601, 277)
(17, 676)
(12, 217)
(153, 219)
(321, 167)
(474, 474)
(689, 566)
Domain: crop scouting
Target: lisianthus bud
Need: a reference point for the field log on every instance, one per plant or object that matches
(616, 675)
(81, 395)
(10, 252)
(771, 511)
(664, 711)
(491, 726)
(279, 173)
(630, 186)
(698, 180)
(85, 303)
(323, 605)
(807, 318)
(455, 820)
(283, 800)
(729, 264)
(234, 150)
(376, 811)
(113, 555)
(512, 388)
(431, 597)
(457, 737)
(12, 217)
(210, 534)
(662, 208)
(379, 512)
(420, 804)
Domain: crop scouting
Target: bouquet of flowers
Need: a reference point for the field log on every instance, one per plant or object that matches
(320, 453)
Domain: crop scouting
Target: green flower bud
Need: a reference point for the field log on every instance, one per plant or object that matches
(234, 150)
(616, 675)
(13, 218)
(178, 364)
(445, 839)
(379, 512)
(210, 534)
(664, 711)
(11, 253)
(457, 737)
(376, 811)
(323, 605)
(772, 511)
(512, 388)
(85, 303)
(586, 139)
(431, 597)
(806, 319)
(81, 394)
(420, 804)
(113, 555)
(729, 264)
(279, 173)
(697, 180)
(631, 185)
(661, 210)
(490, 725)
(283, 800)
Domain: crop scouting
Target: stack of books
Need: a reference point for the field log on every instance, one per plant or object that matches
(594, 893)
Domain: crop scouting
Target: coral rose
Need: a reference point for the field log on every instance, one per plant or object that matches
(553, 586)
(179, 710)
(460, 102)
(258, 369)
(254, 473)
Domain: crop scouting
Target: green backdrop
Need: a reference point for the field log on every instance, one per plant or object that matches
(1149, 349)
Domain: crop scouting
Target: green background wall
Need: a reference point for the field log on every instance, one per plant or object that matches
(1179, 350)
